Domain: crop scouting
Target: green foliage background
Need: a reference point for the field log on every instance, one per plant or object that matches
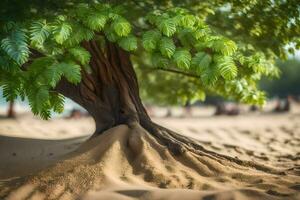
(288, 83)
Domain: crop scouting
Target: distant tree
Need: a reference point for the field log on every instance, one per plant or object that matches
(11, 111)
(90, 51)
(288, 83)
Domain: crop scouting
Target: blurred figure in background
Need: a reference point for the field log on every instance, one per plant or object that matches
(188, 109)
(220, 109)
(77, 114)
(253, 108)
(227, 109)
(283, 105)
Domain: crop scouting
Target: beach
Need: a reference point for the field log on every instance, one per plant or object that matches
(56, 159)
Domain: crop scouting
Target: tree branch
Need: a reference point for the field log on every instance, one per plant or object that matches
(175, 71)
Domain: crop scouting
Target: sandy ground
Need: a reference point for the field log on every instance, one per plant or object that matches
(124, 164)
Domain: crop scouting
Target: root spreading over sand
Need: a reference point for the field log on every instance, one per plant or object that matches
(129, 163)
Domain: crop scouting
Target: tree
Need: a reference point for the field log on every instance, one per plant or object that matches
(90, 52)
(11, 111)
(288, 82)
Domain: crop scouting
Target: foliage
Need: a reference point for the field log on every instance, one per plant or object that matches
(180, 49)
(288, 83)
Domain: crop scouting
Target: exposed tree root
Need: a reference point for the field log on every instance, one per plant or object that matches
(179, 144)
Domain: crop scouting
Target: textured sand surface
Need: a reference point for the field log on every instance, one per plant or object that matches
(128, 163)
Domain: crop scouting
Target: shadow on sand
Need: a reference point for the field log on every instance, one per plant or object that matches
(32, 154)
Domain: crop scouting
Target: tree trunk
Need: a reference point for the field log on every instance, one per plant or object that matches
(11, 112)
(110, 92)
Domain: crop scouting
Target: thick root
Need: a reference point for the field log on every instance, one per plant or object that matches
(179, 144)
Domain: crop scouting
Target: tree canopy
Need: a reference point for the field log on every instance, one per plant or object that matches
(181, 49)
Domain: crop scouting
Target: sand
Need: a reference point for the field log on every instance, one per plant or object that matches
(48, 160)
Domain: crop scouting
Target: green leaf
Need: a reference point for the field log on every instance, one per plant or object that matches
(167, 26)
(201, 33)
(39, 32)
(62, 32)
(224, 46)
(6, 63)
(128, 43)
(210, 75)
(53, 75)
(10, 90)
(41, 96)
(44, 71)
(45, 114)
(150, 40)
(121, 26)
(57, 101)
(71, 71)
(38, 98)
(15, 45)
(110, 34)
(159, 61)
(201, 61)
(182, 58)
(187, 21)
(39, 65)
(228, 69)
(79, 35)
(186, 37)
(96, 21)
(152, 18)
(167, 47)
(80, 54)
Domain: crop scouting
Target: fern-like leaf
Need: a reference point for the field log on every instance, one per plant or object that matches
(38, 98)
(167, 26)
(53, 75)
(15, 45)
(182, 58)
(186, 37)
(224, 46)
(187, 21)
(96, 21)
(167, 47)
(210, 76)
(159, 61)
(201, 61)
(81, 34)
(150, 40)
(39, 32)
(61, 32)
(6, 63)
(128, 43)
(10, 90)
(80, 54)
(71, 71)
(110, 34)
(228, 69)
(121, 26)
(57, 101)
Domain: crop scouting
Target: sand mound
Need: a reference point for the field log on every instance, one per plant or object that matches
(129, 163)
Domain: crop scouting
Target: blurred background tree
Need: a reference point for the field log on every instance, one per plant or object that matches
(288, 83)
